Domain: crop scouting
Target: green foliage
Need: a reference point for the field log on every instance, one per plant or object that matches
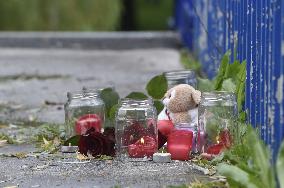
(153, 14)
(231, 77)
(110, 98)
(48, 131)
(205, 85)
(60, 15)
(113, 111)
(228, 85)
(159, 106)
(239, 177)
(9, 139)
(74, 141)
(280, 166)
(137, 95)
(221, 76)
(247, 164)
(157, 87)
(240, 85)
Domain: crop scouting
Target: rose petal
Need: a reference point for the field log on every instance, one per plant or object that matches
(162, 139)
(109, 132)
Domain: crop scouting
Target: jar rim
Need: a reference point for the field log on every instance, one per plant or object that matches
(218, 94)
(211, 98)
(74, 94)
(178, 74)
(96, 89)
(135, 102)
(81, 94)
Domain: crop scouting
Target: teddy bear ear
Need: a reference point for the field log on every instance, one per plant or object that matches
(196, 96)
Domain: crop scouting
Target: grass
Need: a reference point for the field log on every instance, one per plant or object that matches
(60, 15)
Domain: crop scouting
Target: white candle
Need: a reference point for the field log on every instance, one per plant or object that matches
(162, 157)
(69, 149)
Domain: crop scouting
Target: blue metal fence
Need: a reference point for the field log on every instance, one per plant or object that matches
(255, 30)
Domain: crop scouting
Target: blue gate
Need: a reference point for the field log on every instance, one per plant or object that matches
(255, 30)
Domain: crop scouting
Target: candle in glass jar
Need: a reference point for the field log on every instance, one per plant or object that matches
(145, 147)
(179, 144)
(196, 135)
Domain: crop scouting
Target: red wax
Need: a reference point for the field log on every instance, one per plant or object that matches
(86, 122)
(224, 141)
(165, 126)
(225, 138)
(179, 144)
(215, 149)
(146, 146)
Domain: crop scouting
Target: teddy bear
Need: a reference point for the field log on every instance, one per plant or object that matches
(181, 103)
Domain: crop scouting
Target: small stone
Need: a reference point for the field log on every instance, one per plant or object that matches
(162, 157)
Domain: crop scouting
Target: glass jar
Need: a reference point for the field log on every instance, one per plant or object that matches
(86, 89)
(136, 129)
(181, 77)
(217, 117)
(83, 111)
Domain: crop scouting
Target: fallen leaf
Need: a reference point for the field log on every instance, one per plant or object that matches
(82, 157)
(3, 142)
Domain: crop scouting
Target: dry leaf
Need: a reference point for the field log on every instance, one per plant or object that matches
(82, 157)
(3, 142)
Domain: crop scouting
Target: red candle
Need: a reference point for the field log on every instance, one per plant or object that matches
(224, 140)
(146, 146)
(86, 122)
(179, 144)
(215, 149)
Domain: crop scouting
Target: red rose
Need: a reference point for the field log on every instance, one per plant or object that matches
(109, 132)
(162, 139)
(96, 144)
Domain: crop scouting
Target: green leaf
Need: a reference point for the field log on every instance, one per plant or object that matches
(157, 87)
(159, 106)
(261, 158)
(110, 98)
(137, 95)
(238, 175)
(74, 141)
(240, 83)
(217, 159)
(205, 85)
(232, 70)
(113, 111)
(280, 166)
(228, 85)
(242, 116)
(222, 70)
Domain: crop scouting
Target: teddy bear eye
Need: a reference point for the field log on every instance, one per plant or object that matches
(170, 96)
